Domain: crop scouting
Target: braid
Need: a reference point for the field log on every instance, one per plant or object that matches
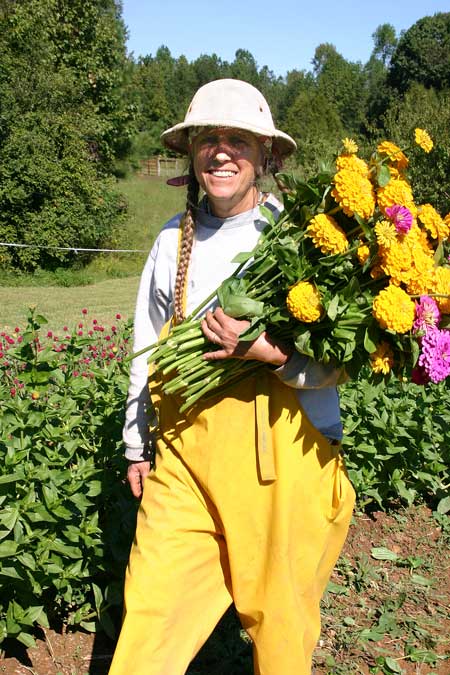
(187, 240)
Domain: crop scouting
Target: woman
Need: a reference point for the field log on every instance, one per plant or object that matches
(249, 501)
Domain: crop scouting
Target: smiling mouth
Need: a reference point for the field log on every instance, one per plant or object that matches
(218, 173)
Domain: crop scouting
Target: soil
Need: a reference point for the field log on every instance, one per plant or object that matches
(372, 586)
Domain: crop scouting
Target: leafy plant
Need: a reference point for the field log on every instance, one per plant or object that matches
(66, 518)
(396, 441)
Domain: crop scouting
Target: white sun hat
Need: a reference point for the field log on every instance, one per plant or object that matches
(231, 104)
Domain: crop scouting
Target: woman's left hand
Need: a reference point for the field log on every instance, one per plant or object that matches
(224, 331)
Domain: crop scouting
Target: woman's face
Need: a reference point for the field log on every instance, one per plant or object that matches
(226, 162)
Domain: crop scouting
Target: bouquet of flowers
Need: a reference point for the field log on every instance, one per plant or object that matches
(354, 273)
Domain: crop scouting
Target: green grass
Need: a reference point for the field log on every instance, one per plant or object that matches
(62, 306)
(109, 283)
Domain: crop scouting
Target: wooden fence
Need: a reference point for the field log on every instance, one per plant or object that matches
(162, 166)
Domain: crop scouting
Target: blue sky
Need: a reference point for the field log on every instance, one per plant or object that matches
(282, 35)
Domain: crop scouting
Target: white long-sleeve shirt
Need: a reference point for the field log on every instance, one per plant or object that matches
(217, 242)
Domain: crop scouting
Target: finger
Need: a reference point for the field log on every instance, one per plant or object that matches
(217, 355)
(210, 334)
(220, 316)
(134, 480)
(212, 322)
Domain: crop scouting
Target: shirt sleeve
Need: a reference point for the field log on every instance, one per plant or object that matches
(153, 310)
(302, 372)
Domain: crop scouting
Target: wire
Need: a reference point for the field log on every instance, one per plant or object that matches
(76, 249)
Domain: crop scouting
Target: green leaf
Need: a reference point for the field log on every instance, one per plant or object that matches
(439, 254)
(11, 477)
(10, 572)
(267, 214)
(8, 548)
(8, 518)
(26, 639)
(243, 257)
(241, 306)
(383, 553)
(332, 308)
(303, 343)
(421, 580)
(392, 664)
(383, 175)
(336, 589)
(98, 598)
(371, 338)
(444, 505)
(371, 634)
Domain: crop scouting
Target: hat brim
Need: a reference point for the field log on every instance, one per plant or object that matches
(176, 138)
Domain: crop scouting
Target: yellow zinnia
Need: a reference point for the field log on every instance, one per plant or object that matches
(396, 261)
(397, 191)
(350, 146)
(362, 253)
(354, 193)
(394, 153)
(327, 234)
(303, 302)
(382, 359)
(435, 225)
(441, 286)
(386, 233)
(352, 163)
(423, 139)
(409, 260)
(394, 309)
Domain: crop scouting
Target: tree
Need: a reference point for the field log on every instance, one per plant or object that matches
(385, 42)
(342, 84)
(423, 55)
(208, 68)
(316, 126)
(58, 140)
(244, 67)
(430, 110)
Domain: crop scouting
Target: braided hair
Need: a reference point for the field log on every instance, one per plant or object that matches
(187, 240)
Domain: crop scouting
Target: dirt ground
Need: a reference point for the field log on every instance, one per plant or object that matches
(404, 603)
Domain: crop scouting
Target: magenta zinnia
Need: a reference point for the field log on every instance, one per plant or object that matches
(435, 356)
(401, 217)
(427, 314)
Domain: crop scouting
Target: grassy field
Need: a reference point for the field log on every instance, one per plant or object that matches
(107, 285)
(62, 306)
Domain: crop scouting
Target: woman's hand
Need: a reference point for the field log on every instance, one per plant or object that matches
(136, 474)
(224, 331)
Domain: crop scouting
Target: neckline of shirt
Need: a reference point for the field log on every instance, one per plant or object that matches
(208, 220)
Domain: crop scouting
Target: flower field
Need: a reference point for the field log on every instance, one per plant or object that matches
(66, 518)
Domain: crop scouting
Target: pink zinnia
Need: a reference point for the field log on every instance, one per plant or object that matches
(435, 356)
(401, 217)
(427, 314)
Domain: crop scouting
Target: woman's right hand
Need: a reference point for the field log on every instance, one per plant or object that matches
(136, 474)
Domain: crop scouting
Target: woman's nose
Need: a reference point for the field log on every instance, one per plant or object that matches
(222, 156)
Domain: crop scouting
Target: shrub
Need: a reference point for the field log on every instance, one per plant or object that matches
(396, 441)
(67, 517)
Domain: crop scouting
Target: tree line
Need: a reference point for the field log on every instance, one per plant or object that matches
(76, 111)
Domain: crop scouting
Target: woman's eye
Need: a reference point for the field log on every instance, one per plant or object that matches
(208, 140)
(238, 141)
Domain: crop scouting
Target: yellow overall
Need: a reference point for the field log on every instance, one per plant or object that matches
(248, 503)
